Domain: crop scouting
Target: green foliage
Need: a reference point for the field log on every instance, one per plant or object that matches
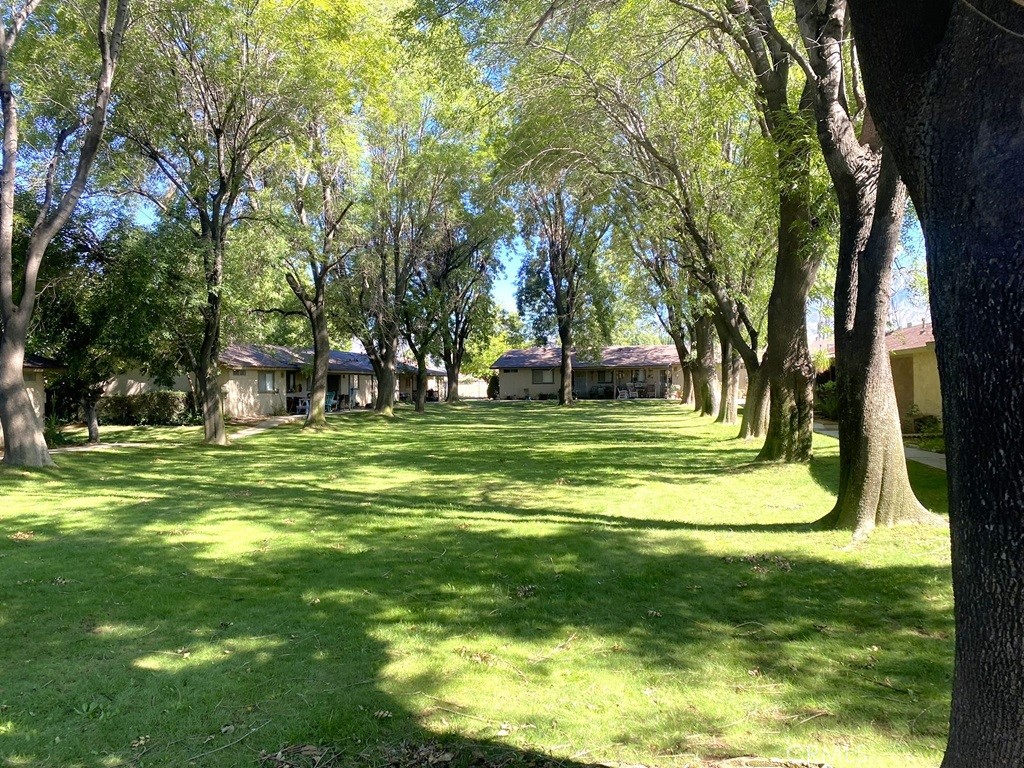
(157, 408)
(826, 401)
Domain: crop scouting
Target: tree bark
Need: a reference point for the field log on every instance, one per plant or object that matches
(686, 393)
(421, 384)
(316, 417)
(787, 363)
(452, 373)
(944, 85)
(22, 432)
(728, 407)
(755, 410)
(207, 374)
(874, 488)
(706, 387)
(92, 422)
(385, 364)
(565, 365)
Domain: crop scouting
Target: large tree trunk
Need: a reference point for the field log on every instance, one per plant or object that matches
(22, 432)
(565, 367)
(316, 417)
(728, 405)
(385, 370)
(421, 384)
(452, 374)
(874, 488)
(755, 409)
(706, 389)
(788, 360)
(207, 376)
(686, 393)
(945, 84)
(92, 421)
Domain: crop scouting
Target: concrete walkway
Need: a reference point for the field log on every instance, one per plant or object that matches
(936, 460)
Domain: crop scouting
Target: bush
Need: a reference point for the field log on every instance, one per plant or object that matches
(493, 390)
(928, 425)
(826, 401)
(154, 408)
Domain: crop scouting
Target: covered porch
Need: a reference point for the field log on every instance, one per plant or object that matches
(620, 383)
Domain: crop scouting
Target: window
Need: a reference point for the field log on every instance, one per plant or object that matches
(510, 370)
(604, 377)
(238, 372)
(266, 379)
(291, 384)
(543, 376)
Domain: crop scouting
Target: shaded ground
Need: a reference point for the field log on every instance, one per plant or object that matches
(614, 583)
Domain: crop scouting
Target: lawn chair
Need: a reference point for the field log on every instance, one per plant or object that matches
(623, 394)
(329, 402)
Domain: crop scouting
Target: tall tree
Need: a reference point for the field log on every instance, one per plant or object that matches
(685, 156)
(750, 25)
(208, 102)
(944, 83)
(568, 226)
(68, 116)
(874, 488)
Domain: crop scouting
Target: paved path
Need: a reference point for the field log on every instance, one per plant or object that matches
(927, 458)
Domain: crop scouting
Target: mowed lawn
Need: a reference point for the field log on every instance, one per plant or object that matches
(613, 582)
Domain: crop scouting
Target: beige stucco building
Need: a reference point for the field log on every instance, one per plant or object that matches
(269, 380)
(621, 372)
(915, 371)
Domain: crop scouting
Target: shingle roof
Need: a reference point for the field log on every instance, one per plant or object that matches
(649, 356)
(42, 363)
(277, 357)
(914, 337)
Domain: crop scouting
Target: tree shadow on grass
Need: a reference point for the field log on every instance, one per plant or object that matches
(378, 634)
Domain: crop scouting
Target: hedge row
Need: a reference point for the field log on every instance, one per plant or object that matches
(164, 408)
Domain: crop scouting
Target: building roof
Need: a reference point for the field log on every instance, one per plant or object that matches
(270, 356)
(649, 356)
(42, 363)
(913, 337)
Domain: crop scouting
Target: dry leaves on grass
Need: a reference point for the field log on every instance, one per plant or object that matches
(301, 756)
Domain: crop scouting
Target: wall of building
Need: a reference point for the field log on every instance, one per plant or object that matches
(927, 395)
(136, 382)
(515, 383)
(242, 396)
(903, 383)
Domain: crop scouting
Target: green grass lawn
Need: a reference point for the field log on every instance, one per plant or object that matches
(613, 582)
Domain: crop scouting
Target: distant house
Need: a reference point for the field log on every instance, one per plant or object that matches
(38, 372)
(915, 371)
(263, 380)
(643, 371)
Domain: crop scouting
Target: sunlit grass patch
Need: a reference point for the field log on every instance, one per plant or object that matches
(617, 581)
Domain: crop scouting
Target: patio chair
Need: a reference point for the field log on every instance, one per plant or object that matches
(329, 402)
(623, 394)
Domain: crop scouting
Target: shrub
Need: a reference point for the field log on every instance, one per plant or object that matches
(154, 408)
(928, 425)
(826, 401)
(493, 390)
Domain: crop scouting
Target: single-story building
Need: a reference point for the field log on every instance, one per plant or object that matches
(266, 379)
(641, 371)
(38, 372)
(915, 372)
